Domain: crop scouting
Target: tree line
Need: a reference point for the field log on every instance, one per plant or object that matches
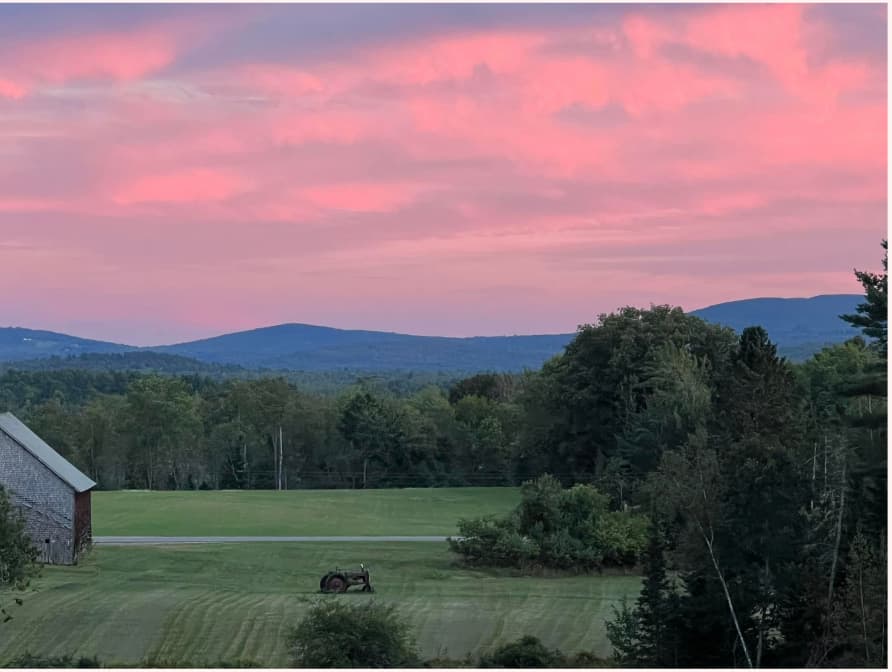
(602, 413)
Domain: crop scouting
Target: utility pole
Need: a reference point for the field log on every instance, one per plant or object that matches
(281, 459)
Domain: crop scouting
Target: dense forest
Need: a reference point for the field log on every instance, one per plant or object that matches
(603, 413)
(763, 482)
(328, 382)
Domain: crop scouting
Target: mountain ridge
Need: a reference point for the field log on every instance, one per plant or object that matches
(800, 326)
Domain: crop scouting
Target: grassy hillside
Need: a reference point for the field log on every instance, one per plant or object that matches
(205, 604)
(403, 512)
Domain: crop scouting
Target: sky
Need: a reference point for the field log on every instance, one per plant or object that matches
(174, 172)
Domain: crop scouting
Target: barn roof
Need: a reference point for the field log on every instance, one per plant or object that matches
(19, 432)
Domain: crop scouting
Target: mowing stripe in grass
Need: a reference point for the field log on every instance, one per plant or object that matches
(218, 602)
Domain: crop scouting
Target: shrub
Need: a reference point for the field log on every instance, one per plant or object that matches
(30, 661)
(336, 634)
(487, 541)
(586, 659)
(179, 663)
(526, 652)
(444, 662)
(568, 529)
(623, 538)
(18, 555)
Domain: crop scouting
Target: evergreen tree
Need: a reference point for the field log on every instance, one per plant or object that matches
(655, 613)
(872, 315)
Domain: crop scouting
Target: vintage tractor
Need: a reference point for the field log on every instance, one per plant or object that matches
(339, 580)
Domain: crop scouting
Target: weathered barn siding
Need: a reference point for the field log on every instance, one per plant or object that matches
(46, 501)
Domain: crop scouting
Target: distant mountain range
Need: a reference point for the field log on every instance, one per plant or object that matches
(800, 327)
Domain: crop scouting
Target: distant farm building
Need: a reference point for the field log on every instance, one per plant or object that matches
(51, 493)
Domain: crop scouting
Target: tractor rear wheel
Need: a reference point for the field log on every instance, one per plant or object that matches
(336, 584)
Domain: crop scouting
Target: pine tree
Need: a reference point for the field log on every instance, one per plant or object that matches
(655, 615)
(872, 315)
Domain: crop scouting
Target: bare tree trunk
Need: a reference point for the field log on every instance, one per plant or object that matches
(708, 539)
(365, 468)
(863, 613)
(842, 504)
(834, 562)
(761, 637)
(764, 599)
(721, 577)
(814, 471)
(869, 412)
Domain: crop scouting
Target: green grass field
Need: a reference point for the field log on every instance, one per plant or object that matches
(229, 602)
(206, 604)
(405, 512)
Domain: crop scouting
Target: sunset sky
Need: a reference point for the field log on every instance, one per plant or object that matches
(173, 172)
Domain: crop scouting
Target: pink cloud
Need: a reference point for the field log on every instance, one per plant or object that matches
(115, 57)
(768, 34)
(110, 56)
(126, 55)
(368, 197)
(9, 89)
(29, 205)
(453, 57)
(193, 186)
(645, 36)
(297, 128)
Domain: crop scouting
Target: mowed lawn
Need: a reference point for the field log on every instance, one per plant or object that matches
(402, 512)
(213, 603)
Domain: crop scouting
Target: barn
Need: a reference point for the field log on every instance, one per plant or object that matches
(51, 493)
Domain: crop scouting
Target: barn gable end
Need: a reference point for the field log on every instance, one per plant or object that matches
(51, 493)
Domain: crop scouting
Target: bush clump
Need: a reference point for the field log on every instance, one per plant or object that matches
(30, 661)
(528, 652)
(336, 634)
(557, 528)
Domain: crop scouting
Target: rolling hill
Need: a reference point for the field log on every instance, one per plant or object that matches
(311, 348)
(17, 343)
(800, 327)
(790, 322)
